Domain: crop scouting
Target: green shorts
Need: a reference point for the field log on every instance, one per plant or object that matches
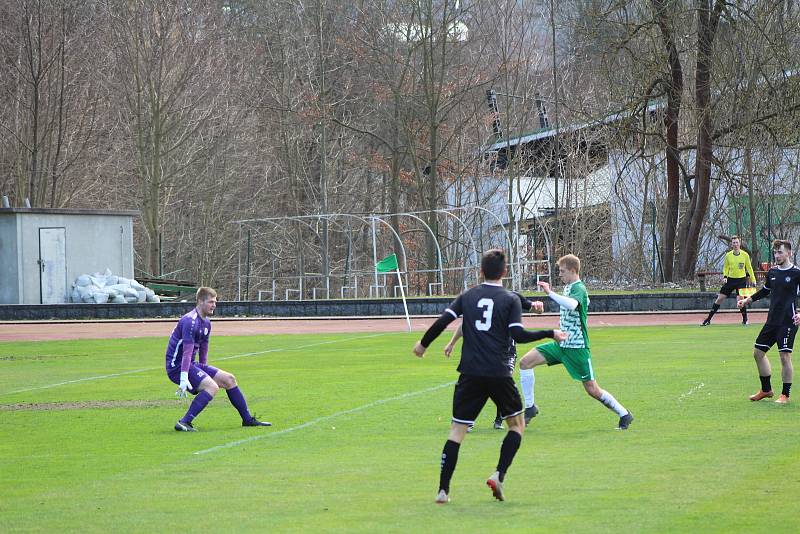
(577, 361)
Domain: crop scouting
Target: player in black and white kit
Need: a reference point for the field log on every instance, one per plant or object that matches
(526, 377)
(492, 323)
(782, 286)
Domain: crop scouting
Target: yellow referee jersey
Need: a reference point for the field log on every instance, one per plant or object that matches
(738, 266)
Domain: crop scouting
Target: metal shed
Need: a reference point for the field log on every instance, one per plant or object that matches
(43, 250)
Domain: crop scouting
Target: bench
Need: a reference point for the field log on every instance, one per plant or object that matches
(169, 288)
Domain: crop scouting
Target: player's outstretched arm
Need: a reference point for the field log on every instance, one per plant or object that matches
(521, 335)
(448, 349)
(562, 300)
(758, 295)
(534, 306)
(544, 286)
(433, 332)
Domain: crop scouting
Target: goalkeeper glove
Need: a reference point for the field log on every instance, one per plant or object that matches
(184, 385)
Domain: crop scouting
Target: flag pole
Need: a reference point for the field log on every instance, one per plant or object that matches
(403, 294)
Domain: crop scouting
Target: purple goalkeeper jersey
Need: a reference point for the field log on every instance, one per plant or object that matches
(189, 336)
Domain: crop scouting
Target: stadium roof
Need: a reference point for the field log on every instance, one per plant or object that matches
(545, 133)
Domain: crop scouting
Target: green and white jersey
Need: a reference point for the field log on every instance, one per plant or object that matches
(574, 322)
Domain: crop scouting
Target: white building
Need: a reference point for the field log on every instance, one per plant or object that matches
(43, 251)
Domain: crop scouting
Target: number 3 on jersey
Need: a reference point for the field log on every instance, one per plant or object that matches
(487, 305)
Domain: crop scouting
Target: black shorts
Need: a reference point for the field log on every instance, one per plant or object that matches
(772, 334)
(472, 392)
(733, 284)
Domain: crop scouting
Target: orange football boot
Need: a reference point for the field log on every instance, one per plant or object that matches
(783, 399)
(762, 395)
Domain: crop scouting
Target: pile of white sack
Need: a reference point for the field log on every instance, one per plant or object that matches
(101, 288)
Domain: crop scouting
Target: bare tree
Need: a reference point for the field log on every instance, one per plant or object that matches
(162, 55)
(50, 116)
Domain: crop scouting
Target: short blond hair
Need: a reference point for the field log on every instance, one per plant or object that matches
(571, 262)
(205, 293)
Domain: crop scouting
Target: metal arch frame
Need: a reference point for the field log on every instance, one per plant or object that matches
(302, 275)
(435, 241)
(274, 221)
(374, 237)
(366, 220)
(476, 254)
(547, 243)
(368, 223)
(508, 240)
(399, 241)
(242, 223)
(329, 216)
(371, 220)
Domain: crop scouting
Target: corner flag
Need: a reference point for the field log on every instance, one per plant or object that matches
(387, 265)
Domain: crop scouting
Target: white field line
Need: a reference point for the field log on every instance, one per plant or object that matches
(695, 389)
(325, 418)
(114, 375)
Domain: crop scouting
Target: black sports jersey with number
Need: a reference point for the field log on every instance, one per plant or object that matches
(783, 286)
(489, 312)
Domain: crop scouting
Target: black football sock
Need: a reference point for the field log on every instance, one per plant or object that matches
(786, 387)
(714, 309)
(765, 383)
(449, 459)
(744, 315)
(507, 451)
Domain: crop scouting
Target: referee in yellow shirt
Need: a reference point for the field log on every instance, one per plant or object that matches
(736, 272)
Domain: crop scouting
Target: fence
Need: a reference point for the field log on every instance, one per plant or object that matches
(364, 284)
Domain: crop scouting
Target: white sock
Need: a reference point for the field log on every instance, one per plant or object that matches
(612, 404)
(527, 379)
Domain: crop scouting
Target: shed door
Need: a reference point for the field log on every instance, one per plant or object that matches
(53, 265)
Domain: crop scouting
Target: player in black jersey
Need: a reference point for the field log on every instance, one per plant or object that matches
(526, 377)
(782, 286)
(492, 324)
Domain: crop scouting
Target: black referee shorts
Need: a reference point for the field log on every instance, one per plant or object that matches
(733, 284)
(772, 334)
(472, 392)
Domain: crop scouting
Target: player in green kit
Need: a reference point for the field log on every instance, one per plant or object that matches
(574, 352)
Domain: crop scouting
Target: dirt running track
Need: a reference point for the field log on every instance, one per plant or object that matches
(48, 330)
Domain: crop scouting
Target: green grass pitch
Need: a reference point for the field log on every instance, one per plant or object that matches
(86, 440)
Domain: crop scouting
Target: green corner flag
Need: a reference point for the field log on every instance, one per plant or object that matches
(387, 264)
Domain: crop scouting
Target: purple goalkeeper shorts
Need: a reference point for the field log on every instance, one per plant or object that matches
(197, 372)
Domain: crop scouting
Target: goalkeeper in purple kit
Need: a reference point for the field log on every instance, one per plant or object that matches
(190, 339)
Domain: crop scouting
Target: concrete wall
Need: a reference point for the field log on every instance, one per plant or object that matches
(345, 308)
(10, 282)
(95, 240)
